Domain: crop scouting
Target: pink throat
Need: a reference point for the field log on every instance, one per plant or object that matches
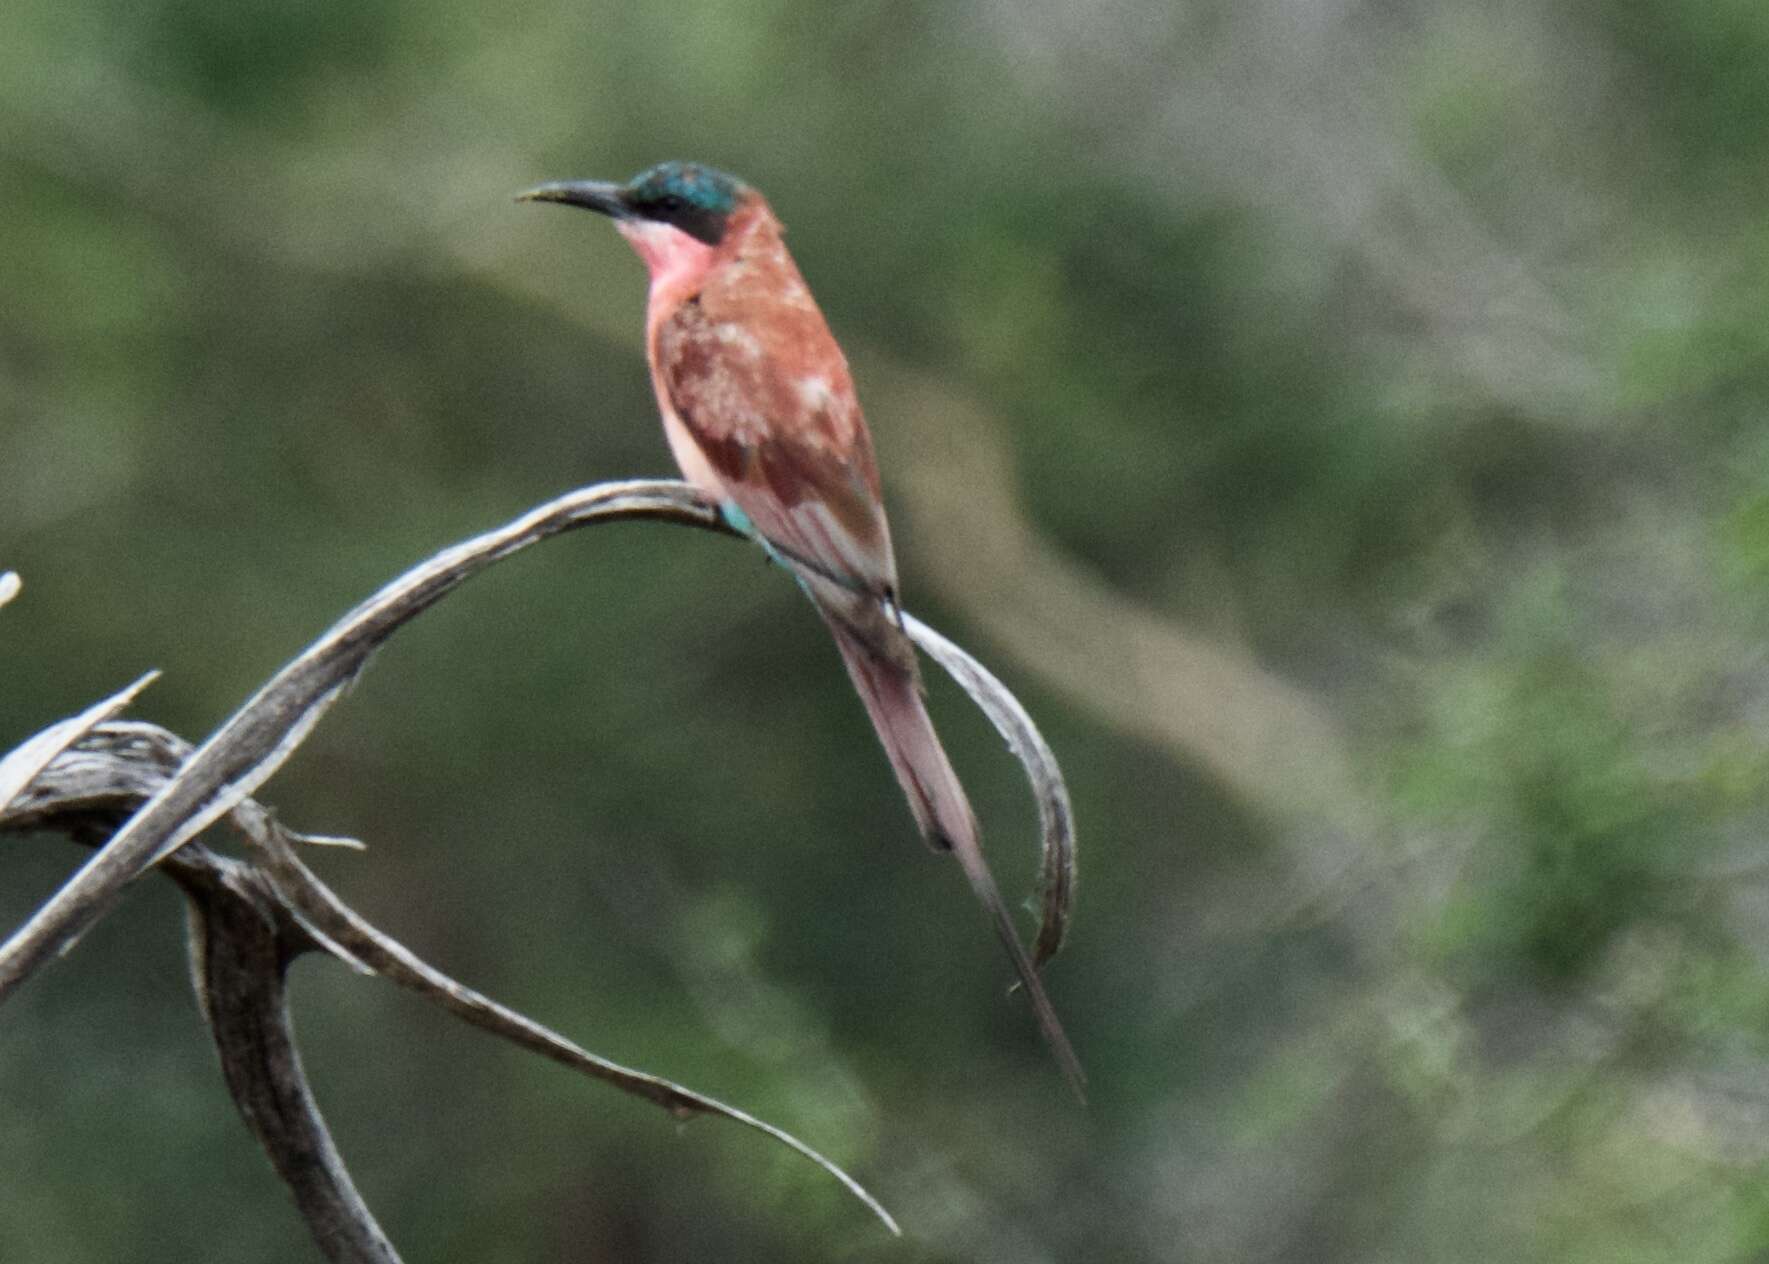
(675, 259)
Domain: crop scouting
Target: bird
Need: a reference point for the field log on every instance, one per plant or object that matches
(760, 412)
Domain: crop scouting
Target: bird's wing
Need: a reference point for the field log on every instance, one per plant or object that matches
(771, 406)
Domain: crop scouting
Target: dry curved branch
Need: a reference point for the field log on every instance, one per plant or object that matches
(255, 740)
(87, 774)
(322, 912)
(24, 762)
(242, 940)
(249, 923)
(1056, 819)
(248, 748)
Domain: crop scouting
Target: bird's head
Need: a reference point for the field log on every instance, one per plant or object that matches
(675, 215)
(685, 196)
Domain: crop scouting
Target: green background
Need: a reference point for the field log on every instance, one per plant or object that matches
(1344, 426)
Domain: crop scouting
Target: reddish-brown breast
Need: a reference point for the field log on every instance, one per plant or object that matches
(751, 370)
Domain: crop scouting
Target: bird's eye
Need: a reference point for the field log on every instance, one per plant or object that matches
(670, 203)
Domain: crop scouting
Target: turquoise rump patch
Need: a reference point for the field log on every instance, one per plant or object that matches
(736, 519)
(739, 522)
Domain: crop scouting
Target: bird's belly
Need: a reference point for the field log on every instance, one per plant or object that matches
(692, 461)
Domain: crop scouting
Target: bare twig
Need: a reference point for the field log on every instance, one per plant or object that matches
(23, 763)
(320, 909)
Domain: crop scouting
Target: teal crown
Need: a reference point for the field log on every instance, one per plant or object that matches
(672, 187)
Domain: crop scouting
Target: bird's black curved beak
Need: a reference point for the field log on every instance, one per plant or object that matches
(592, 195)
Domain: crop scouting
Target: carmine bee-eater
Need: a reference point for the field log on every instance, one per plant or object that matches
(761, 415)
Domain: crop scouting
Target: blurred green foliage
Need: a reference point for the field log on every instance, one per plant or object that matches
(1413, 360)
